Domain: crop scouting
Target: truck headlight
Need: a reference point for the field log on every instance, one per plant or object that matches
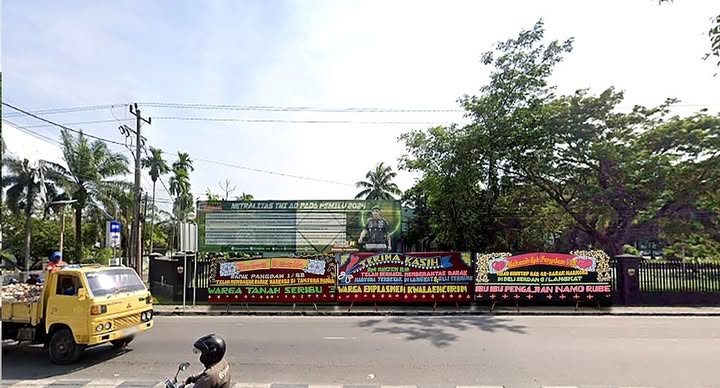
(108, 326)
(146, 316)
(99, 327)
(98, 309)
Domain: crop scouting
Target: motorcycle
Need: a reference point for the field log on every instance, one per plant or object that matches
(174, 382)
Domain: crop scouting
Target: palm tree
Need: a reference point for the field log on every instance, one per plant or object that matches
(180, 186)
(28, 187)
(379, 184)
(158, 167)
(184, 162)
(92, 176)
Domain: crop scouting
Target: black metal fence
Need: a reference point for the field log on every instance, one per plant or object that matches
(678, 283)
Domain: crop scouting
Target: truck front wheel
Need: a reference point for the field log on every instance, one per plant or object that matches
(63, 349)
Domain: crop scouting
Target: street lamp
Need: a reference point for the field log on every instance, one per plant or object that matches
(62, 222)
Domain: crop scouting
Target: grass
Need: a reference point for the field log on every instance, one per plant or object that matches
(161, 300)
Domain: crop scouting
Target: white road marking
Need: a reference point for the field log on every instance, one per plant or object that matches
(105, 383)
(33, 383)
(251, 385)
(480, 386)
(324, 386)
(334, 338)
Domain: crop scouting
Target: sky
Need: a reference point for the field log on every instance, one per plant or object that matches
(416, 55)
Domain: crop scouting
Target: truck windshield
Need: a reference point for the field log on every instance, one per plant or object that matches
(109, 281)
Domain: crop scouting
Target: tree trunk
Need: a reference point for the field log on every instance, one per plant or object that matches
(612, 247)
(28, 229)
(78, 235)
(152, 219)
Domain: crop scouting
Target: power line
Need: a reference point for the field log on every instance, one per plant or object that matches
(267, 108)
(33, 133)
(55, 142)
(77, 123)
(60, 125)
(272, 172)
(202, 160)
(270, 108)
(70, 109)
(235, 119)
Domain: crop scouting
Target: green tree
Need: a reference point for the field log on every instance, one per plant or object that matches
(462, 167)
(589, 167)
(45, 236)
(92, 177)
(158, 167)
(379, 184)
(245, 197)
(212, 197)
(28, 188)
(417, 220)
(180, 186)
(183, 162)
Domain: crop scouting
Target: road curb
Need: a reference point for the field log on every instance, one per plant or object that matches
(430, 313)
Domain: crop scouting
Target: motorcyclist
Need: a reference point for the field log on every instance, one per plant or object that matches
(212, 355)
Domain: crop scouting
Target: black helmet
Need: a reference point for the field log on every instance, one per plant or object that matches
(212, 349)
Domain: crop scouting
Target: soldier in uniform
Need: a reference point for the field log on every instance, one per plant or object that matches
(377, 230)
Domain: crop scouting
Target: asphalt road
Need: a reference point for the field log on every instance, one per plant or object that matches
(513, 351)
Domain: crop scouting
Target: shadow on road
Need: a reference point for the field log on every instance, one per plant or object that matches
(438, 330)
(25, 362)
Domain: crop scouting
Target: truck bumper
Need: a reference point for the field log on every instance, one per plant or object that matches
(119, 334)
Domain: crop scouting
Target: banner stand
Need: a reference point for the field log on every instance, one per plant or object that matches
(435, 306)
(457, 306)
(517, 306)
(351, 306)
(577, 305)
(315, 305)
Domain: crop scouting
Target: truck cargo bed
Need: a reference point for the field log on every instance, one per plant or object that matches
(20, 312)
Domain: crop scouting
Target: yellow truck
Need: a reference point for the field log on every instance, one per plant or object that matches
(81, 306)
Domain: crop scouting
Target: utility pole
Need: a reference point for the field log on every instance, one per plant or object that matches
(135, 238)
(144, 217)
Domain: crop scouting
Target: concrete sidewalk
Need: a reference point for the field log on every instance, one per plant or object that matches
(404, 310)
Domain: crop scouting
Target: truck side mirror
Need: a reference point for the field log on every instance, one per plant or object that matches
(82, 293)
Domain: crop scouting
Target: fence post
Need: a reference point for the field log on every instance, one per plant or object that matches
(628, 278)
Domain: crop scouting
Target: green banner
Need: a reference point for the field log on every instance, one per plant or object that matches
(317, 226)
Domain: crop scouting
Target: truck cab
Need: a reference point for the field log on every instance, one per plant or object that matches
(81, 306)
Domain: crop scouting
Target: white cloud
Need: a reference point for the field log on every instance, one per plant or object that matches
(413, 54)
(22, 145)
